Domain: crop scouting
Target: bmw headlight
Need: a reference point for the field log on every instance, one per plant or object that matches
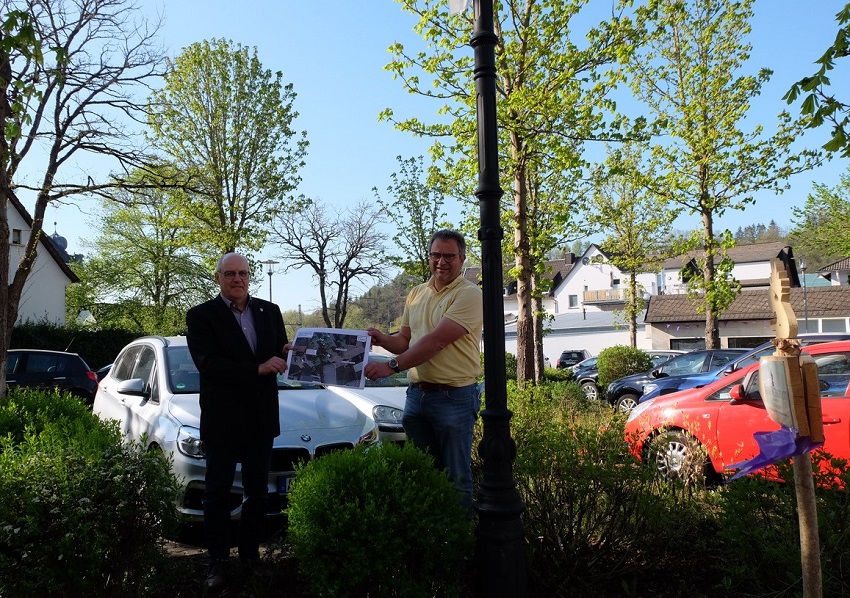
(189, 442)
(384, 414)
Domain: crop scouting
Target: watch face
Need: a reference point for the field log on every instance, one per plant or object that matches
(393, 363)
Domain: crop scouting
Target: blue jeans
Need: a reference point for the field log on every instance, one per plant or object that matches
(441, 423)
(255, 456)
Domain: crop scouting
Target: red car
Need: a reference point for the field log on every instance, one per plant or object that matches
(698, 433)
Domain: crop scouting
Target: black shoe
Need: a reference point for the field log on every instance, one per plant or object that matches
(216, 580)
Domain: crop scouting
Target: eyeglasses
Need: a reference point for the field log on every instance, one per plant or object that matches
(231, 274)
(448, 257)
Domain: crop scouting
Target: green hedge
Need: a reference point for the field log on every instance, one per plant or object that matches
(621, 360)
(97, 347)
(82, 513)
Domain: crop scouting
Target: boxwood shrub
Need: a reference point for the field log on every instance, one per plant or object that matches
(378, 522)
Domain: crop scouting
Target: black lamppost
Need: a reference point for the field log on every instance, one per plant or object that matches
(270, 264)
(805, 295)
(501, 568)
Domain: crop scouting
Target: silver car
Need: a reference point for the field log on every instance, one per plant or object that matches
(382, 400)
(152, 391)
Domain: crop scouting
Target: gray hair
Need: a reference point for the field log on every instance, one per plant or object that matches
(228, 255)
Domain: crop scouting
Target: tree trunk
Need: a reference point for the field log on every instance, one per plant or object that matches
(525, 324)
(712, 334)
(539, 363)
(631, 309)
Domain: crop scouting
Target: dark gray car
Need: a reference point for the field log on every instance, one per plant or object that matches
(40, 368)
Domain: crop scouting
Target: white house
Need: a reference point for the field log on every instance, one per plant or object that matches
(594, 284)
(837, 273)
(43, 298)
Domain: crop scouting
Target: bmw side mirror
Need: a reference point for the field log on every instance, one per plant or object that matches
(133, 387)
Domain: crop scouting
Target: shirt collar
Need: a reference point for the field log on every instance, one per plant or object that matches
(232, 305)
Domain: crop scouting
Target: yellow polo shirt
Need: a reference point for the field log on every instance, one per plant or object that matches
(459, 364)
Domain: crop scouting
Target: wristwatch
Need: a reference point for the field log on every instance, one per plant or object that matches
(393, 363)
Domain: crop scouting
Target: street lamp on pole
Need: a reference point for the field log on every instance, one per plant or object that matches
(500, 538)
(270, 270)
(805, 295)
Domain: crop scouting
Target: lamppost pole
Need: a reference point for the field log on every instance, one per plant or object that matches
(501, 569)
(270, 270)
(805, 295)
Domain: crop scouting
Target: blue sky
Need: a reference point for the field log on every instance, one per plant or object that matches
(334, 52)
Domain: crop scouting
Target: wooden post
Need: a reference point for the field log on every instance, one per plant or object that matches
(805, 396)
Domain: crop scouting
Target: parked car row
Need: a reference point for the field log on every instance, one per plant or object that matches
(698, 433)
(587, 374)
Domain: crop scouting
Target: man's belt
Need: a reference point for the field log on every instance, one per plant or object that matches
(434, 386)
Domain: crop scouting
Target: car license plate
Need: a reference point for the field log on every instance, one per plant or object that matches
(283, 483)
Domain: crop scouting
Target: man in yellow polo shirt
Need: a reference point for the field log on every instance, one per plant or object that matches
(439, 345)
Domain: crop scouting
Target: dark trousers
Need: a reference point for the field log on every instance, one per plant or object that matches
(255, 456)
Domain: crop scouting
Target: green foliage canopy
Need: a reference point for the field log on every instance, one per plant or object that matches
(226, 122)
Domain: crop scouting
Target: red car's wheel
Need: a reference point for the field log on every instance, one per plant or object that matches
(677, 455)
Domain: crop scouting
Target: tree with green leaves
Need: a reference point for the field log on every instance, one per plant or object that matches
(70, 73)
(690, 77)
(343, 248)
(820, 228)
(141, 268)
(226, 123)
(759, 233)
(384, 304)
(818, 104)
(552, 92)
(416, 211)
(635, 223)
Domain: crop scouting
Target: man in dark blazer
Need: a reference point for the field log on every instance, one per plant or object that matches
(238, 343)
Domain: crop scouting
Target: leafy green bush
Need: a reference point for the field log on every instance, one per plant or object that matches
(621, 360)
(588, 504)
(378, 521)
(510, 365)
(77, 506)
(758, 512)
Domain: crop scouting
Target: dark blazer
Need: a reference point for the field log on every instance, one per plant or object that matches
(235, 400)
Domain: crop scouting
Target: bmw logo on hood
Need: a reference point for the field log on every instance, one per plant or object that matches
(306, 437)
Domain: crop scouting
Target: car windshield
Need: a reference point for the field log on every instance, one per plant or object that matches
(183, 377)
(572, 355)
(396, 379)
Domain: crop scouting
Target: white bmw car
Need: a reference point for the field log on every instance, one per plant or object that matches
(152, 391)
(381, 400)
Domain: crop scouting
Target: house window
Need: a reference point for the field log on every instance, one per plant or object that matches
(615, 283)
(16, 236)
(747, 342)
(687, 344)
(831, 325)
(573, 300)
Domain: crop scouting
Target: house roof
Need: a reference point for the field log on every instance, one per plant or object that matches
(842, 264)
(741, 254)
(556, 271)
(818, 302)
(45, 241)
